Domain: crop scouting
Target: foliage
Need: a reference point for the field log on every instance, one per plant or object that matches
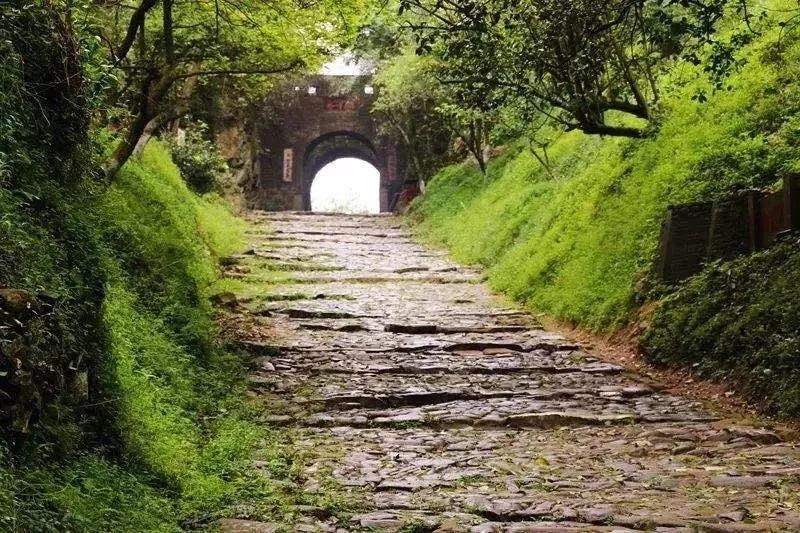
(575, 241)
(166, 54)
(197, 157)
(572, 61)
(172, 396)
(42, 90)
(738, 322)
(381, 36)
(408, 96)
(97, 264)
(49, 338)
(86, 494)
(418, 108)
(162, 366)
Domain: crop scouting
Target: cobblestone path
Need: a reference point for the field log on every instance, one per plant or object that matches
(442, 409)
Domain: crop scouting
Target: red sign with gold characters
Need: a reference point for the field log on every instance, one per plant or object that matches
(342, 104)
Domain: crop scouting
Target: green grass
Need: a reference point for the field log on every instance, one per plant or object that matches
(576, 246)
(85, 494)
(738, 322)
(178, 395)
(175, 437)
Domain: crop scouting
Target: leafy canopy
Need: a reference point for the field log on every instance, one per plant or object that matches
(572, 61)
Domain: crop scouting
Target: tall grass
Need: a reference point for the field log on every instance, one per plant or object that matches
(169, 397)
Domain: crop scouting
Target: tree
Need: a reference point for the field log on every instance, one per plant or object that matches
(162, 51)
(573, 61)
(408, 100)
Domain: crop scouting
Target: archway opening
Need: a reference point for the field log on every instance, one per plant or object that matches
(346, 185)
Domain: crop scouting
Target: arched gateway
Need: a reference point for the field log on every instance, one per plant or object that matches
(310, 123)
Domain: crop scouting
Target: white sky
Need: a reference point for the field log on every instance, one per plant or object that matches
(344, 65)
(346, 185)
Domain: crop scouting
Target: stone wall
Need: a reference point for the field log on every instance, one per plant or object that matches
(695, 234)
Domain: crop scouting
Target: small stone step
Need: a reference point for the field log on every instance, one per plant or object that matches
(233, 525)
(430, 329)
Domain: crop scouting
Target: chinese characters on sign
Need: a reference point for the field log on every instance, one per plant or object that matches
(342, 104)
(288, 155)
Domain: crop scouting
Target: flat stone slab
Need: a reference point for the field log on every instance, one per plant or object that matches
(233, 525)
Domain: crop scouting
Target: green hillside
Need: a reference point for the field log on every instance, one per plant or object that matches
(579, 242)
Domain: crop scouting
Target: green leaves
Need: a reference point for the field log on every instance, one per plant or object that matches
(198, 159)
(583, 59)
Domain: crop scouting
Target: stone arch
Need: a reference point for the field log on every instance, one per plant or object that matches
(332, 146)
(309, 122)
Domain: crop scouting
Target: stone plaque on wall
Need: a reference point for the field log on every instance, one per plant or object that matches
(288, 164)
(342, 104)
(391, 163)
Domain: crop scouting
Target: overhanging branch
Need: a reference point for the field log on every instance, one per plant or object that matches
(611, 131)
(240, 72)
(136, 21)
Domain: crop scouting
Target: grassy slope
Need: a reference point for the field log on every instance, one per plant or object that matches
(177, 437)
(172, 396)
(580, 247)
(161, 358)
(574, 247)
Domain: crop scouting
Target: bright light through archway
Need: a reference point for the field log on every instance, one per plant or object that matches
(346, 185)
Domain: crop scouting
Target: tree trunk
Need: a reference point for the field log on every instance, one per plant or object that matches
(475, 143)
(149, 130)
(127, 145)
(153, 94)
(641, 101)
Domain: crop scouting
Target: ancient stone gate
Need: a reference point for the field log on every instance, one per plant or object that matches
(310, 122)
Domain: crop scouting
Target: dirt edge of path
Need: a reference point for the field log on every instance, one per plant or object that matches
(622, 348)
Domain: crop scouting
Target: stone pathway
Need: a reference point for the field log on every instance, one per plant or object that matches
(404, 380)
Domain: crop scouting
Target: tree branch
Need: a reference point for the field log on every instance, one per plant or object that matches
(136, 21)
(169, 39)
(611, 131)
(241, 72)
(627, 107)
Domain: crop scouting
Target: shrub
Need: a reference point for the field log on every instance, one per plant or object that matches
(738, 322)
(198, 159)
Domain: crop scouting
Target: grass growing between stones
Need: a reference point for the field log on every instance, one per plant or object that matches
(275, 489)
(300, 266)
(257, 284)
(301, 296)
